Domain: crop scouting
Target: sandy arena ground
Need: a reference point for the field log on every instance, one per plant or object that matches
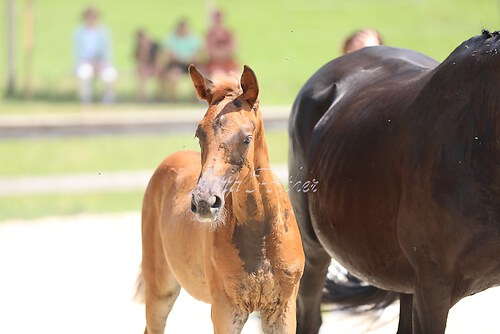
(76, 275)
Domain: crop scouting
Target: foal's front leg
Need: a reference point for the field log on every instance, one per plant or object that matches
(226, 318)
(281, 320)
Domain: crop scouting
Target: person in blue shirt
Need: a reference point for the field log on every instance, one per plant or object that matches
(181, 48)
(92, 48)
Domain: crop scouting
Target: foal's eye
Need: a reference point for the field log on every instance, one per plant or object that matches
(237, 103)
(247, 139)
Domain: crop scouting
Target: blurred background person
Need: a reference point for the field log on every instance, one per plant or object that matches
(221, 46)
(182, 48)
(92, 47)
(146, 57)
(360, 39)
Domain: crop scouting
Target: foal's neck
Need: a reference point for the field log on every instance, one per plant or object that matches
(254, 200)
(256, 207)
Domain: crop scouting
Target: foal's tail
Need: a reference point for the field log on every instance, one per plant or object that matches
(349, 292)
(140, 289)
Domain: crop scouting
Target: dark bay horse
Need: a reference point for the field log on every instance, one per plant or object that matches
(219, 224)
(406, 154)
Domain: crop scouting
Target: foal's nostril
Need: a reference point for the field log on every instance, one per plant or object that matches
(193, 205)
(217, 202)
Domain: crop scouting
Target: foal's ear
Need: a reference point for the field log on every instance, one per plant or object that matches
(202, 85)
(249, 85)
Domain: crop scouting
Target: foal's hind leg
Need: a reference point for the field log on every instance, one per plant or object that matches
(161, 291)
(161, 288)
(160, 298)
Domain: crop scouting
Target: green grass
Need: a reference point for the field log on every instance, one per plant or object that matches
(52, 156)
(283, 41)
(14, 106)
(88, 154)
(91, 155)
(36, 206)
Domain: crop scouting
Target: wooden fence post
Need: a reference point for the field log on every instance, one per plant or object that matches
(10, 85)
(29, 44)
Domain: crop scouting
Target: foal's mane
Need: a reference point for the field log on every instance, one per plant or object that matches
(225, 85)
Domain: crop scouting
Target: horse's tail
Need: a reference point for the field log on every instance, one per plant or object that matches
(349, 292)
(140, 290)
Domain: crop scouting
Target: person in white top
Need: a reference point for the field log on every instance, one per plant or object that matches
(92, 46)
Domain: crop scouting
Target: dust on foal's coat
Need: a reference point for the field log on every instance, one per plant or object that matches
(223, 229)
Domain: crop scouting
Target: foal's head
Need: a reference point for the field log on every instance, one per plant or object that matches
(226, 134)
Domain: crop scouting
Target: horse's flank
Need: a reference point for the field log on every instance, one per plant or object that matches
(407, 153)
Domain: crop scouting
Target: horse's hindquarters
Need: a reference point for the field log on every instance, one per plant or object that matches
(355, 158)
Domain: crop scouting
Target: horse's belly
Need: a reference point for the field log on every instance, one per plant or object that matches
(370, 255)
(354, 214)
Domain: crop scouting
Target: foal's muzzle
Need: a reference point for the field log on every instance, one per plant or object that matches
(206, 206)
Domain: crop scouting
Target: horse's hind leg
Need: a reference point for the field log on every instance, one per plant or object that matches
(431, 301)
(405, 314)
(316, 266)
(311, 288)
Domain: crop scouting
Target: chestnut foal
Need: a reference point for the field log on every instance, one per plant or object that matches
(219, 224)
